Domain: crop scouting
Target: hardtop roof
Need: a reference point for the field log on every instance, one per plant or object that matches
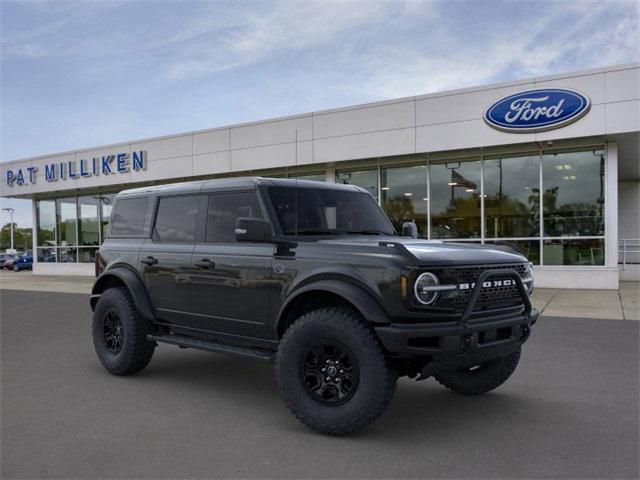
(235, 183)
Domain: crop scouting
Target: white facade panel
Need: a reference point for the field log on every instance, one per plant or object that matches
(175, 167)
(271, 133)
(623, 116)
(390, 116)
(378, 144)
(212, 141)
(212, 163)
(592, 85)
(271, 156)
(461, 107)
(468, 134)
(623, 85)
(593, 123)
(171, 147)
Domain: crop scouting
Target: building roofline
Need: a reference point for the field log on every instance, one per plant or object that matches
(445, 93)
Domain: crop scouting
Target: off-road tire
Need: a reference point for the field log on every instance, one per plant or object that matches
(482, 379)
(376, 382)
(136, 351)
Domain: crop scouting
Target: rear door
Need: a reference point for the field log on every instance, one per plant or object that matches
(166, 257)
(230, 286)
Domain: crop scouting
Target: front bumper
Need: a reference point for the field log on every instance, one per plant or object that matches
(476, 337)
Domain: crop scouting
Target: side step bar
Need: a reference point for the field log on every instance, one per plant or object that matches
(188, 342)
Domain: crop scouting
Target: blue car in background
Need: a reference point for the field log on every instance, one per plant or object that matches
(23, 262)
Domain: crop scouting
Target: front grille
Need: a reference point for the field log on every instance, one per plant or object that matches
(490, 297)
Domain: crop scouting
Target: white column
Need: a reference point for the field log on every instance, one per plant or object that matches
(611, 205)
(34, 232)
(330, 173)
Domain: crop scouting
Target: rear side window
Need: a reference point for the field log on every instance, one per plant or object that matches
(224, 211)
(176, 219)
(128, 217)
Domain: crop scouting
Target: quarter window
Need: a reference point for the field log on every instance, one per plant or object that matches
(128, 217)
(225, 209)
(176, 219)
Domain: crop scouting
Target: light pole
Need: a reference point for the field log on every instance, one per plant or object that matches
(11, 211)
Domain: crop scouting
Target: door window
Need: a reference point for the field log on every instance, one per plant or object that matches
(225, 209)
(176, 219)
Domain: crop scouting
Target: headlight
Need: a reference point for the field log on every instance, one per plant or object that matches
(424, 289)
(528, 279)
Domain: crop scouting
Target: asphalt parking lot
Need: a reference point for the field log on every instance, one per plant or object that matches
(569, 411)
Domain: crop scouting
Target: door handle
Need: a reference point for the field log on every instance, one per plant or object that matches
(149, 261)
(204, 263)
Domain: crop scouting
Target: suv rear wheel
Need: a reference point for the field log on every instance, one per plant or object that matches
(332, 372)
(481, 378)
(119, 334)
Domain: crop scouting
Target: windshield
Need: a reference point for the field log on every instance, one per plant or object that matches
(324, 211)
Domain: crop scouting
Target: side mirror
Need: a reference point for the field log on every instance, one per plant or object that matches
(253, 230)
(409, 229)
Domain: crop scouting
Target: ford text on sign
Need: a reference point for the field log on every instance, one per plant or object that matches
(537, 110)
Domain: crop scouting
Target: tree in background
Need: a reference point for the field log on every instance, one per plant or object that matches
(22, 237)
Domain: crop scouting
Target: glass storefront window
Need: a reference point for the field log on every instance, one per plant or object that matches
(47, 255)
(404, 196)
(88, 225)
(106, 203)
(87, 254)
(46, 220)
(573, 198)
(574, 252)
(67, 221)
(512, 197)
(455, 199)
(367, 179)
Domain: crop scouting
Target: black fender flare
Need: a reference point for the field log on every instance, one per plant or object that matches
(362, 300)
(132, 281)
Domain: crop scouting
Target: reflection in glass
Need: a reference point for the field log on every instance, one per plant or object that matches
(106, 202)
(455, 200)
(404, 196)
(512, 197)
(574, 252)
(367, 179)
(88, 225)
(87, 254)
(529, 248)
(46, 220)
(67, 254)
(47, 254)
(573, 198)
(67, 221)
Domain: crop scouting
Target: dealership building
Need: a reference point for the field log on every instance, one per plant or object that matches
(550, 165)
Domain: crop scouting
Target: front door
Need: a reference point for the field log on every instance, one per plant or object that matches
(231, 281)
(166, 258)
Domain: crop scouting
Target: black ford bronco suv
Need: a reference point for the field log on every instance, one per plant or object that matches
(313, 277)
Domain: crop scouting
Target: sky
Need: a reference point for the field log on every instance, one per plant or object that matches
(86, 73)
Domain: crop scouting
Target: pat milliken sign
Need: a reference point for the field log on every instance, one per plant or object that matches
(117, 163)
(537, 110)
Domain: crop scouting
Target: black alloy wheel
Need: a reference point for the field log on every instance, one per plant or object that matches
(113, 332)
(330, 373)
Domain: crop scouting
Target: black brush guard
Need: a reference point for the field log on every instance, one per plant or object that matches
(475, 338)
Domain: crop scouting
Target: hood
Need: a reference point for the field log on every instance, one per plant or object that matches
(436, 252)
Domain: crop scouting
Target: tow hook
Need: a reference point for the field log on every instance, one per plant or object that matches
(525, 333)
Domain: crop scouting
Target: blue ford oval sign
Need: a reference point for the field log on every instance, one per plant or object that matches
(537, 110)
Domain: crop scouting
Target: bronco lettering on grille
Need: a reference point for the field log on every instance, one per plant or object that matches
(487, 284)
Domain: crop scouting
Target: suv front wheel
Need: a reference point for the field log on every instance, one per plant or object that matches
(119, 334)
(332, 372)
